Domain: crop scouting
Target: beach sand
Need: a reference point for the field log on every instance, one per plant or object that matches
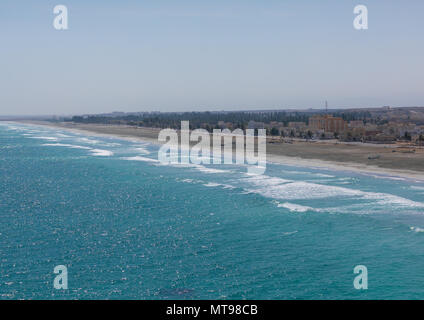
(392, 160)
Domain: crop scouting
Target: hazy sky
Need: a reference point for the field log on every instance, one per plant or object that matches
(209, 55)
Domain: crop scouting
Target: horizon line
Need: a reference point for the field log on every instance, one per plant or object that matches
(213, 111)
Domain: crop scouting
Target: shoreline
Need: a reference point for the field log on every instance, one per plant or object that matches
(302, 155)
(368, 170)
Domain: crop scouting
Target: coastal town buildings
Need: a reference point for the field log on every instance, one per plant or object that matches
(327, 123)
(370, 125)
(356, 124)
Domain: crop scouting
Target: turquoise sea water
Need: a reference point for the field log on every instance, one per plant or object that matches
(127, 227)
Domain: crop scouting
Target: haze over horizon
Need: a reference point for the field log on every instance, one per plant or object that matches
(49, 115)
(226, 55)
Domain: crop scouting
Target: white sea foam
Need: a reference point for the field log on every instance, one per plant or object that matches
(209, 170)
(13, 128)
(295, 172)
(98, 142)
(322, 175)
(385, 176)
(385, 199)
(66, 145)
(111, 144)
(295, 207)
(320, 181)
(196, 167)
(277, 188)
(417, 188)
(46, 138)
(262, 180)
(176, 164)
(212, 184)
(87, 140)
(416, 229)
(95, 152)
(224, 186)
(300, 190)
(101, 153)
(139, 158)
(142, 150)
(290, 233)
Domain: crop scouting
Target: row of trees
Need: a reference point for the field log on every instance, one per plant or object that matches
(197, 119)
(210, 120)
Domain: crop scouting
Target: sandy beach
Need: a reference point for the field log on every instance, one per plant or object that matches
(392, 160)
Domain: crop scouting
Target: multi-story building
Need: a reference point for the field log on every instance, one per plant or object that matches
(327, 123)
(297, 125)
(255, 125)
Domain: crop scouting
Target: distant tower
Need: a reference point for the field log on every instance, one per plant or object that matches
(326, 106)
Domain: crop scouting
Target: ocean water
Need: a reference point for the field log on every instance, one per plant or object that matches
(128, 227)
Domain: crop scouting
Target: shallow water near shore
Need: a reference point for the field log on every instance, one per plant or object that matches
(128, 227)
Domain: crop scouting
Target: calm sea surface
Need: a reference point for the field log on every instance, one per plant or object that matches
(127, 227)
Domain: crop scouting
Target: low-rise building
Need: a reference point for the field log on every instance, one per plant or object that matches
(356, 124)
(327, 123)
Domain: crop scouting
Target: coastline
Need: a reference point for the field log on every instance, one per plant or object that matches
(331, 156)
(378, 172)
